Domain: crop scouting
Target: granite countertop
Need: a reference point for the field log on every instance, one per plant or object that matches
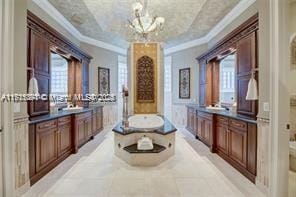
(60, 113)
(167, 128)
(227, 113)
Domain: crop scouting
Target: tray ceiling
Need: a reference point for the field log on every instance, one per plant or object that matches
(106, 20)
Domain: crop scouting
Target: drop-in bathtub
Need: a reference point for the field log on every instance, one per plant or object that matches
(292, 145)
(145, 121)
(157, 128)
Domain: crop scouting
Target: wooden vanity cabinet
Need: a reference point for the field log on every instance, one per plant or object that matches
(83, 128)
(50, 142)
(64, 136)
(46, 144)
(191, 118)
(205, 128)
(236, 142)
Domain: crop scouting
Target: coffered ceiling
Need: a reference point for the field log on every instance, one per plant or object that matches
(106, 20)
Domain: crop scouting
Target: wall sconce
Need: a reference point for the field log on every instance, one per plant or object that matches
(252, 93)
(33, 84)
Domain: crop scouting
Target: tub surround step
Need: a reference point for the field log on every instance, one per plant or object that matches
(133, 149)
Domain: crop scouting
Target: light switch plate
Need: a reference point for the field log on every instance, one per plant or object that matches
(16, 107)
(266, 107)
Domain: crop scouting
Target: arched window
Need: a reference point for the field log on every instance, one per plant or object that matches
(145, 80)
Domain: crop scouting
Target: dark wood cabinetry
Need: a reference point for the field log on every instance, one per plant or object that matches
(42, 40)
(236, 142)
(243, 42)
(64, 137)
(246, 62)
(205, 128)
(233, 139)
(46, 144)
(83, 128)
(53, 140)
(50, 142)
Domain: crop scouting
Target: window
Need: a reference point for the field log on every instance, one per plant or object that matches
(227, 79)
(59, 75)
(122, 80)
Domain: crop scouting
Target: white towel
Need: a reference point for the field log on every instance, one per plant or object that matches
(252, 93)
(33, 86)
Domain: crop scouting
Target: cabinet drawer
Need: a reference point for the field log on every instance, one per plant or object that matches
(205, 115)
(222, 120)
(83, 115)
(47, 125)
(238, 124)
(64, 120)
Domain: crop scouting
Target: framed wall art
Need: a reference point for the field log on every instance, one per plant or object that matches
(103, 80)
(184, 83)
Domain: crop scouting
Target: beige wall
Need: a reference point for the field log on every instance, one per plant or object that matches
(50, 21)
(185, 59)
(101, 58)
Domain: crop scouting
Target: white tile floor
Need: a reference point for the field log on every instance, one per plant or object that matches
(96, 172)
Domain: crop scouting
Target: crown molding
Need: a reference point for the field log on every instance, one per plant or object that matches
(46, 6)
(229, 18)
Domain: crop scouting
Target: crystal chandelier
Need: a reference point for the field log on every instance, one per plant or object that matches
(143, 24)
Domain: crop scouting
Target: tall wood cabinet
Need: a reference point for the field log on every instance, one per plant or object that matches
(246, 51)
(243, 41)
(42, 40)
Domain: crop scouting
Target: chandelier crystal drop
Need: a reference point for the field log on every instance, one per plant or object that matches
(143, 24)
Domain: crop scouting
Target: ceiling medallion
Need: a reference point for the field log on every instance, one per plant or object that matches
(143, 24)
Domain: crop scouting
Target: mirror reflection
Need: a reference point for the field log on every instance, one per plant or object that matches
(227, 79)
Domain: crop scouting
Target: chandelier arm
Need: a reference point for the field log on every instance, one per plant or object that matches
(140, 23)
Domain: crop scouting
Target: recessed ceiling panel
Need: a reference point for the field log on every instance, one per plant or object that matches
(106, 20)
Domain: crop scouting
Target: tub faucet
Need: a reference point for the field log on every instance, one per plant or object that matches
(125, 122)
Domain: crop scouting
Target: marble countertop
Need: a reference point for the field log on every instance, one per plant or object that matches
(60, 113)
(227, 113)
(167, 128)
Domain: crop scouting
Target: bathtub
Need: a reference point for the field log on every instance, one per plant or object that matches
(145, 121)
(292, 145)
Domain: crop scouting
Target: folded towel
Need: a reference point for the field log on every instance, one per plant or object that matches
(145, 143)
(252, 93)
(33, 86)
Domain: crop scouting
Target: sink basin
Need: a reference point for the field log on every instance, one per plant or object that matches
(72, 108)
(216, 108)
(145, 122)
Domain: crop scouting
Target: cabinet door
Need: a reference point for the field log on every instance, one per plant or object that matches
(88, 127)
(222, 138)
(200, 127)
(64, 138)
(246, 61)
(207, 132)
(94, 123)
(46, 147)
(238, 146)
(80, 126)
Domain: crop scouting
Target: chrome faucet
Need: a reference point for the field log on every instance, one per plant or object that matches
(125, 122)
